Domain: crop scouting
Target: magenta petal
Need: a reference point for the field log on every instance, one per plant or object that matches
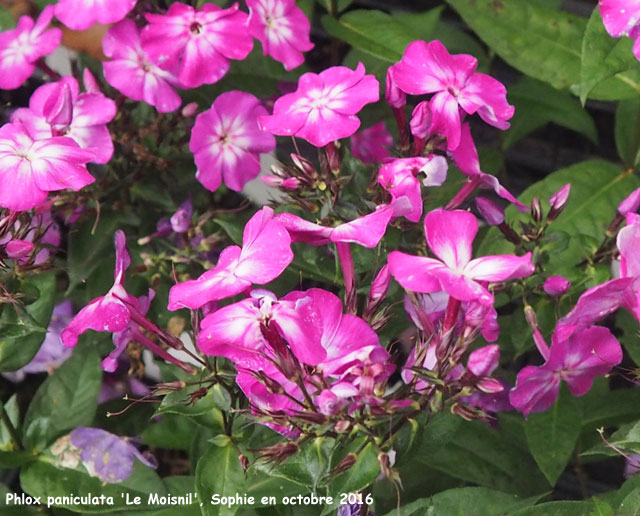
(367, 230)
(536, 390)
(483, 361)
(499, 268)
(102, 314)
(415, 273)
(450, 235)
(628, 243)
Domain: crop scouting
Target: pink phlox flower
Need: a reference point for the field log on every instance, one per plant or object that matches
(82, 14)
(30, 169)
(197, 44)
(622, 18)
(226, 141)
(402, 177)
(111, 312)
(429, 68)
(556, 285)
(324, 106)
(450, 236)
(21, 47)
(577, 360)
(235, 331)
(490, 211)
(59, 109)
(264, 255)
(132, 73)
(372, 144)
(394, 96)
(282, 28)
(466, 159)
(366, 231)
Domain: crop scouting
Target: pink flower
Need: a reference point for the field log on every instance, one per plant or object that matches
(82, 14)
(131, 72)
(265, 253)
(622, 18)
(466, 158)
(235, 331)
(110, 312)
(429, 68)
(491, 212)
(556, 285)
(21, 47)
(577, 360)
(226, 141)
(450, 236)
(30, 169)
(59, 109)
(197, 43)
(282, 28)
(399, 177)
(631, 203)
(17, 249)
(324, 106)
(370, 145)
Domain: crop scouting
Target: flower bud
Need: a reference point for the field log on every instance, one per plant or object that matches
(394, 96)
(530, 316)
(421, 119)
(464, 412)
(490, 385)
(379, 288)
(536, 210)
(278, 452)
(344, 464)
(90, 83)
(17, 249)
(302, 164)
(483, 361)
(558, 202)
(490, 211)
(190, 110)
(181, 219)
(556, 286)
(631, 203)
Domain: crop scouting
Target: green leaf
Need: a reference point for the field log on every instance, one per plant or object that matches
(66, 399)
(602, 55)
(46, 480)
(597, 187)
(22, 331)
(7, 21)
(541, 42)
(13, 413)
(537, 104)
(379, 34)
(219, 472)
(627, 131)
(552, 434)
(172, 431)
(557, 509)
(205, 411)
(613, 408)
(626, 439)
(631, 503)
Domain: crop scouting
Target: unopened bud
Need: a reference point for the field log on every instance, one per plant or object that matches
(166, 388)
(18, 249)
(278, 452)
(342, 427)
(465, 412)
(244, 462)
(556, 285)
(536, 210)
(344, 464)
(90, 83)
(302, 164)
(530, 316)
(490, 211)
(483, 361)
(558, 202)
(181, 219)
(190, 110)
(489, 385)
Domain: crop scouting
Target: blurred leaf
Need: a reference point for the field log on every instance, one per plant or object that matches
(172, 431)
(13, 413)
(219, 472)
(541, 42)
(627, 131)
(631, 503)
(611, 408)
(537, 104)
(46, 480)
(66, 399)
(380, 34)
(597, 187)
(557, 509)
(23, 331)
(602, 55)
(7, 21)
(552, 434)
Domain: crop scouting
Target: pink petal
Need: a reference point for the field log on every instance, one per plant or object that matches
(536, 390)
(499, 268)
(450, 236)
(415, 273)
(367, 230)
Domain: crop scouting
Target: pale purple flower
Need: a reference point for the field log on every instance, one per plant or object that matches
(181, 219)
(577, 360)
(324, 106)
(197, 44)
(30, 169)
(429, 68)
(226, 141)
(132, 73)
(82, 14)
(282, 28)
(59, 109)
(556, 285)
(51, 354)
(107, 456)
(401, 178)
(450, 236)
(622, 18)
(264, 255)
(371, 145)
(491, 212)
(21, 47)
